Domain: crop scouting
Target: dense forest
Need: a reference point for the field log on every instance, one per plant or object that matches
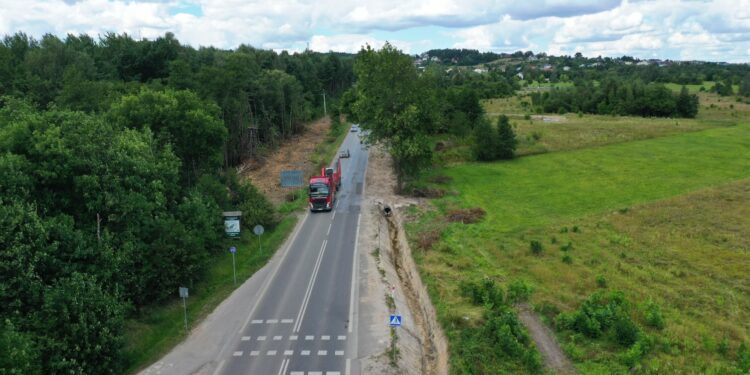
(115, 165)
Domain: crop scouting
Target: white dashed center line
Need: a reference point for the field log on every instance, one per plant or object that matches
(237, 354)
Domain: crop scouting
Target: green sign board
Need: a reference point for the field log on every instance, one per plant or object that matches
(232, 223)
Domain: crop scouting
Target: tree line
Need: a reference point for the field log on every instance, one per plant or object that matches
(115, 159)
(618, 97)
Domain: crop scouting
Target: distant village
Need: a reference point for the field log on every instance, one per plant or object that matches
(524, 62)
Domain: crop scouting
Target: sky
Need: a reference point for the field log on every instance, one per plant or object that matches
(710, 30)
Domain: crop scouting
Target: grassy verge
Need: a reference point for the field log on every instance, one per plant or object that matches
(161, 327)
(590, 212)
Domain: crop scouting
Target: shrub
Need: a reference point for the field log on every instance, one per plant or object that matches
(601, 282)
(567, 247)
(626, 332)
(654, 317)
(575, 229)
(743, 358)
(567, 259)
(483, 293)
(536, 247)
(527, 117)
(519, 291)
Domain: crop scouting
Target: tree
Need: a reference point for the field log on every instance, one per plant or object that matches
(83, 328)
(506, 139)
(388, 104)
(687, 105)
(18, 353)
(179, 118)
(485, 141)
(745, 86)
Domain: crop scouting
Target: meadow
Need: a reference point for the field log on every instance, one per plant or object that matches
(656, 210)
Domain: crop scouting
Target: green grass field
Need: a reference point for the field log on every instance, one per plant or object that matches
(687, 254)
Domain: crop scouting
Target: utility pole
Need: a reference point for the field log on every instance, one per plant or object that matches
(325, 113)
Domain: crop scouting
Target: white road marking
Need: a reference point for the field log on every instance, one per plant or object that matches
(237, 353)
(277, 338)
(354, 277)
(271, 352)
(342, 338)
(310, 285)
(284, 365)
(257, 321)
(287, 321)
(333, 216)
(348, 366)
(272, 321)
(308, 338)
(325, 338)
(293, 338)
(339, 352)
(297, 373)
(288, 352)
(261, 338)
(333, 373)
(267, 281)
(315, 373)
(329, 229)
(305, 352)
(245, 338)
(322, 352)
(254, 353)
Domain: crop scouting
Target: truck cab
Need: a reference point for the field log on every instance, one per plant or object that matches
(322, 189)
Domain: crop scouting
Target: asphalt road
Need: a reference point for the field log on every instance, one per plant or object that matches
(304, 321)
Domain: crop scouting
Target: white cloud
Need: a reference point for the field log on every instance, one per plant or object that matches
(670, 28)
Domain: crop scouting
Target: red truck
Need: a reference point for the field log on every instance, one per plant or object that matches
(323, 188)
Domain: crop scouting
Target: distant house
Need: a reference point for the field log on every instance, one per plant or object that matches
(480, 70)
(566, 68)
(435, 59)
(519, 75)
(547, 67)
(642, 63)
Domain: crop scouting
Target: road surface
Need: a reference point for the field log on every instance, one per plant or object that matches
(304, 321)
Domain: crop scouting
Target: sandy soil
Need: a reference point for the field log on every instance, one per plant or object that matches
(293, 154)
(421, 344)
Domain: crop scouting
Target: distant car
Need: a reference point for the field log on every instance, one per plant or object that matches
(345, 154)
(354, 128)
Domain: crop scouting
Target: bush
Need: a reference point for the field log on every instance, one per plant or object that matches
(536, 247)
(567, 259)
(654, 317)
(483, 293)
(519, 291)
(601, 282)
(626, 332)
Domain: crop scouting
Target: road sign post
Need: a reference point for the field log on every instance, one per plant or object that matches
(184, 296)
(258, 230)
(394, 321)
(234, 268)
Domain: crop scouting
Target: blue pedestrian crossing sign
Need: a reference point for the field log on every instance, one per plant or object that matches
(395, 321)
